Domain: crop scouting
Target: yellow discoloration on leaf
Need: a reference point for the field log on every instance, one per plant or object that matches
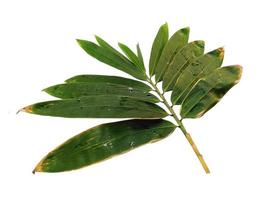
(27, 109)
(221, 54)
(38, 168)
(240, 73)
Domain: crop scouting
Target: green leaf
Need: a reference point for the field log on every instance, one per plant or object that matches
(100, 106)
(76, 90)
(209, 90)
(179, 63)
(140, 57)
(131, 55)
(102, 142)
(108, 47)
(157, 47)
(111, 58)
(88, 78)
(200, 67)
(173, 46)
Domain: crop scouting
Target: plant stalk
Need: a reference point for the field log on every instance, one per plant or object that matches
(181, 126)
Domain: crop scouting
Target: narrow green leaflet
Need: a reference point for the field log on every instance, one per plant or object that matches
(140, 57)
(208, 91)
(131, 55)
(173, 46)
(181, 60)
(107, 46)
(111, 58)
(200, 67)
(102, 142)
(100, 106)
(76, 90)
(157, 47)
(88, 78)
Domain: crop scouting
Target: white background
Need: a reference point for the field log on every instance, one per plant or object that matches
(38, 49)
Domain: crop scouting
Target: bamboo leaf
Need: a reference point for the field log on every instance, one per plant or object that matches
(102, 142)
(157, 47)
(76, 90)
(140, 57)
(108, 47)
(131, 55)
(173, 46)
(100, 106)
(209, 90)
(111, 58)
(89, 78)
(200, 67)
(180, 62)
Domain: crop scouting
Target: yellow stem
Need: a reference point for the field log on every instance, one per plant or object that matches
(181, 126)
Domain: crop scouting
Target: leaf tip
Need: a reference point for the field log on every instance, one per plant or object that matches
(240, 68)
(38, 168)
(49, 90)
(120, 45)
(27, 109)
(98, 39)
(218, 52)
(45, 89)
(221, 52)
(200, 43)
(165, 25)
(186, 30)
(79, 41)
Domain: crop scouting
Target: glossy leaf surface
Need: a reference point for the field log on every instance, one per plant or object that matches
(101, 106)
(200, 67)
(173, 46)
(209, 90)
(157, 47)
(179, 63)
(103, 142)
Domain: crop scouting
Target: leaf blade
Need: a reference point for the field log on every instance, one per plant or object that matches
(90, 78)
(178, 40)
(131, 55)
(209, 90)
(181, 60)
(101, 106)
(108, 47)
(200, 67)
(103, 142)
(157, 47)
(140, 57)
(77, 90)
(109, 57)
